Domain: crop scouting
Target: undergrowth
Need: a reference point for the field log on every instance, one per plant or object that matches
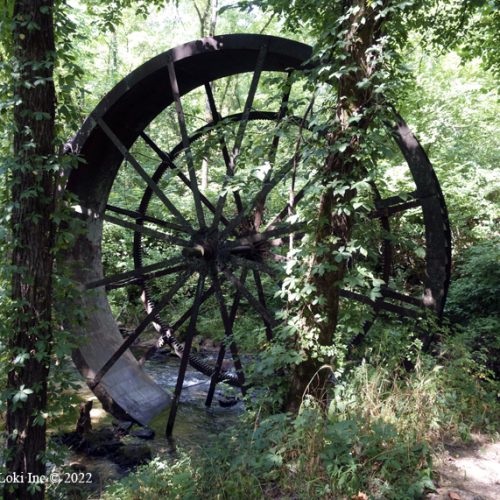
(374, 439)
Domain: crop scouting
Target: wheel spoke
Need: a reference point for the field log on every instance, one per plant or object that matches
(228, 321)
(225, 154)
(286, 229)
(388, 210)
(139, 228)
(393, 294)
(138, 217)
(185, 354)
(378, 304)
(253, 265)
(286, 209)
(394, 200)
(281, 114)
(185, 142)
(181, 280)
(138, 168)
(267, 187)
(164, 157)
(261, 202)
(150, 276)
(263, 312)
(166, 335)
(248, 104)
(145, 272)
(262, 300)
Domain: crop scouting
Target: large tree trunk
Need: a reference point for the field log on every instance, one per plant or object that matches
(32, 229)
(340, 164)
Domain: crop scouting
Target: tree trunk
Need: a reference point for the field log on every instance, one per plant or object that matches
(208, 22)
(33, 203)
(341, 164)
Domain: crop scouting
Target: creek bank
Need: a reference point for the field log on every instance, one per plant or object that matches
(110, 444)
(468, 471)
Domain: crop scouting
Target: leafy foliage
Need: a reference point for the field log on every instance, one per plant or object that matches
(381, 421)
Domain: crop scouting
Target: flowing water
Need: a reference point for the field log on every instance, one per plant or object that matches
(195, 425)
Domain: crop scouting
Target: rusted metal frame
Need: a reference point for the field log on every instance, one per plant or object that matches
(216, 117)
(206, 295)
(403, 311)
(138, 168)
(277, 257)
(381, 203)
(228, 321)
(139, 228)
(147, 218)
(262, 300)
(248, 104)
(139, 272)
(394, 294)
(181, 280)
(281, 114)
(394, 209)
(174, 87)
(387, 252)
(270, 234)
(259, 209)
(167, 160)
(263, 312)
(253, 265)
(266, 189)
(291, 228)
(285, 210)
(185, 355)
(147, 277)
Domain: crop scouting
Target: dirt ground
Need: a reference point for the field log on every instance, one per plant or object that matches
(468, 472)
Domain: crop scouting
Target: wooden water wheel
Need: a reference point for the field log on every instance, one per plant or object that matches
(217, 244)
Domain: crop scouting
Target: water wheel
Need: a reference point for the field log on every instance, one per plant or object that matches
(214, 241)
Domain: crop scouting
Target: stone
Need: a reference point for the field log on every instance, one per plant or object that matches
(132, 455)
(144, 433)
(122, 427)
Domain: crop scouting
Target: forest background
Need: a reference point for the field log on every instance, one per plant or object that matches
(377, 432)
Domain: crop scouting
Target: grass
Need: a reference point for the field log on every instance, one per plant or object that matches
(374, 440)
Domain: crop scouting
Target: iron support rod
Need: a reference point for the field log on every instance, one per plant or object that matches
(138, 168)
(174, 86)
(139, 228)
(281, 114)
(228, 321)
(147, 218)
(145, 322)
(135, 273)
(225, 154)
(263, 312)
(185, 356)
(377, 304)
(248, 104)
(169, 162)
(266, 189)
(262, 300)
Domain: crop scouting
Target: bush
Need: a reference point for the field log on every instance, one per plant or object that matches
(473, 302)
(375, 438)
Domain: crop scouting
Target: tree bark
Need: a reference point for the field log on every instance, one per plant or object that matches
(33, 187)
(352, 100)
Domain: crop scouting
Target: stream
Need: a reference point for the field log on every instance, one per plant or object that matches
(195, 425)
(195, 422)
